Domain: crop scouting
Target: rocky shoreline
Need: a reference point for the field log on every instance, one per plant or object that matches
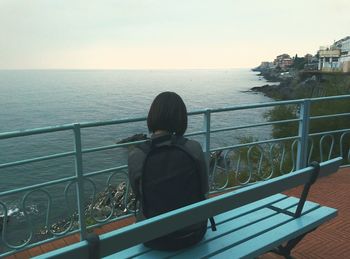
(115, 200)
(291, 84)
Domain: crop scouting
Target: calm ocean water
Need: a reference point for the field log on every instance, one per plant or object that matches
(31, 99)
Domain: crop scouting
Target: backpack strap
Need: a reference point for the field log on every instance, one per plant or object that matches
(212, 223)
(145, 147)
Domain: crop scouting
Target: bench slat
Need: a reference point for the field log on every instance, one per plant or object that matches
(291, 203)
(257, 205)
(137, 250)
(121, 239)
(237, 237)
(118, 240)
(236, 228)
(222, 230)
(273, 238)
(77, 251)
(80, 250)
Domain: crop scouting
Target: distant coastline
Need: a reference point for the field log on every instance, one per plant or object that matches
(281, 89)
(296, 83)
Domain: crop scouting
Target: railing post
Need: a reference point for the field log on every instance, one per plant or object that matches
(206, 125)
(303, 134)
(80, 181)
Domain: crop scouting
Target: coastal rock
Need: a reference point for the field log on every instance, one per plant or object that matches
(294, 82)
(266, 89)
(271, 75)
(133, 138)
(113, 198)
(260, 88)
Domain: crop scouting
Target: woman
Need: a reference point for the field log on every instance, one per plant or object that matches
(167, 123)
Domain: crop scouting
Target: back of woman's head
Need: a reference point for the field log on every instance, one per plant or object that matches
(168, 113)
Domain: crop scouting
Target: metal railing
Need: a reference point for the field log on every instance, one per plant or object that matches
(230, 166)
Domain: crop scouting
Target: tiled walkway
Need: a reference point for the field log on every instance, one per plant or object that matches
(331, 240)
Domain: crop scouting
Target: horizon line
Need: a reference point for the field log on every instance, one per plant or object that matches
(155, 68)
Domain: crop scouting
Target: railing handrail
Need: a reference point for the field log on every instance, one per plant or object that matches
(302, 139)
(41, 130)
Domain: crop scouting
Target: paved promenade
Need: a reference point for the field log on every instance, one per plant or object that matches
(331, 240)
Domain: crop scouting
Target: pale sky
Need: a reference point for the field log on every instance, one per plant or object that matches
(165, 34)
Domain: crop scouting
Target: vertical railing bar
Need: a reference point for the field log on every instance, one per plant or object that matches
(80, 181)
(303, 134)
(207, 115)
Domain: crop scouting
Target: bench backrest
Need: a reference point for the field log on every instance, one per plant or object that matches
(149, 229)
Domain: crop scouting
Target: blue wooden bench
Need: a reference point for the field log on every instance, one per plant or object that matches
(250, 221)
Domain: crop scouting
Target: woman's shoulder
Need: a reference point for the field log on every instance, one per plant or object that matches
(192, 142)
(136, 152)
(194, 146)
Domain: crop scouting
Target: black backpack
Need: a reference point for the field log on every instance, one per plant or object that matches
(170, 177)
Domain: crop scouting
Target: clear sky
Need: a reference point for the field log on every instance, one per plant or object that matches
(149, 34)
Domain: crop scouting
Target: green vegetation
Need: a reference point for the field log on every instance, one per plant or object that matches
(328, 86)
(242, 164)
(298, 63)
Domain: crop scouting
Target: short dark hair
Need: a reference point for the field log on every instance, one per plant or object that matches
(168, 112)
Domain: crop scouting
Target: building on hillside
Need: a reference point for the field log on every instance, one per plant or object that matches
(329, 59)
(335, 57)
(344, 46)
(311, 62)
(283, 61)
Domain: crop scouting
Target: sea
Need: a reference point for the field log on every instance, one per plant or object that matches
(40, 98)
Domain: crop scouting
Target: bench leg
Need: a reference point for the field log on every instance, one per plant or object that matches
(291, 244)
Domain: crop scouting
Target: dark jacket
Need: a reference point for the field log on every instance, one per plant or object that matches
(137, 156)
(135, 164)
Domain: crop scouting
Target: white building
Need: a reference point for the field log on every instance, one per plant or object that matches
(344, 59)
(329, 59)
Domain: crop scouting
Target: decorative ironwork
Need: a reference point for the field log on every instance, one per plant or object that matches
(230, 166)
